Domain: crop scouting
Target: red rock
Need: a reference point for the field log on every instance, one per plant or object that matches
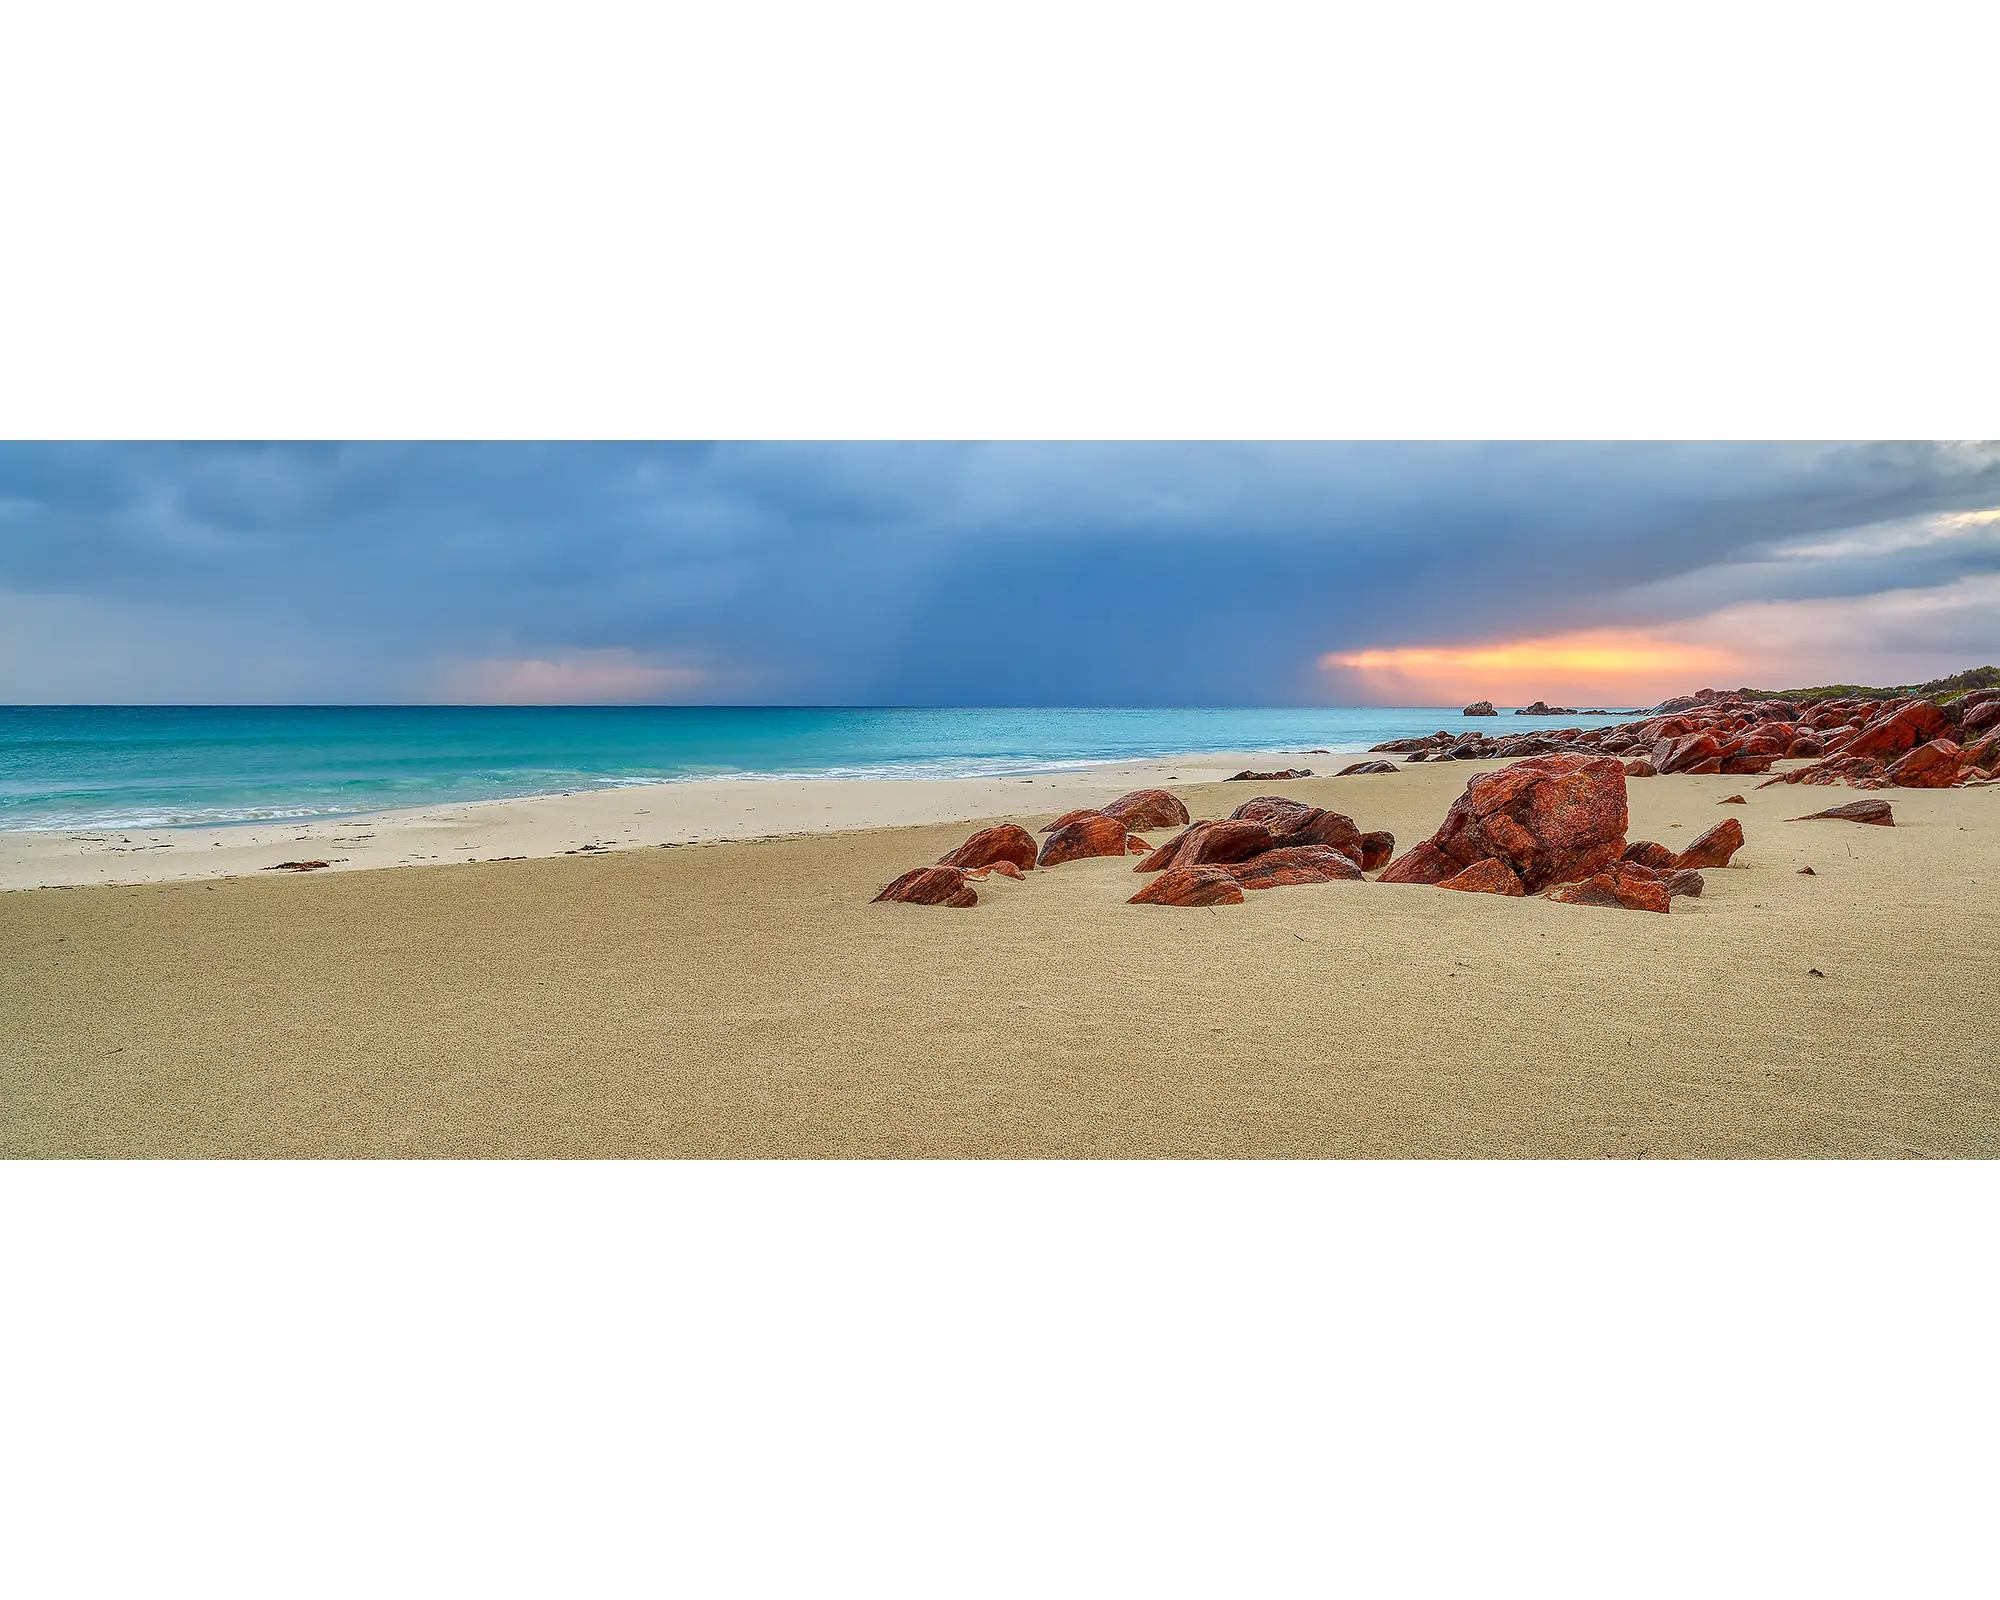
(1638, 767)
(1899, 731)
(1928, 766)
(1700, 768)
(1553, 818)
(1984, 715)
(1645, 853)
(1421, 863)
(1006, 842)
(1376, 849)
(1006, 869)
(1277, 812)
(1216, 843)
(1365, 769)
(1803, 747)
(1688, 882)
(1715, 847)
(1732, 800)
(1491, 876)
(1068, 817)
(1678, 755)
(1984, 753)
(1275, 869)
(1875, 811)
(931, 886)
(1094, 835)
(1136, 846)
(1623, 886)
(1191, 886)
(1147, 808)
(1271, 777)
(1745, 766)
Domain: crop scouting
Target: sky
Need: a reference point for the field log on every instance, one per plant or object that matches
(988, 574)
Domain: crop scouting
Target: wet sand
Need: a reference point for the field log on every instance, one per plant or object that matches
(745, 999)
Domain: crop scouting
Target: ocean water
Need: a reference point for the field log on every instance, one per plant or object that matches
(67, 767)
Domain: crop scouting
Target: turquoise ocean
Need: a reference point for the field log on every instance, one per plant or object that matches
(68, 767)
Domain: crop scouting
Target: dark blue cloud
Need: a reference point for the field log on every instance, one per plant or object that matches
(925, 573)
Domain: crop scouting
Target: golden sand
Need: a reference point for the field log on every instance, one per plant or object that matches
(746, 999)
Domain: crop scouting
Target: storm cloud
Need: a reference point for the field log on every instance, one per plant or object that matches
(918, 574)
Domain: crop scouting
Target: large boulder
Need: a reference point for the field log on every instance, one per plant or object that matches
(1006, 842)
(1928, 766)
(1147, 808)
(931, 886)
(1552, 818)
(1094, 835)
(1275, 869)
(1713, 848)
(1068, 817)
(1191, 886)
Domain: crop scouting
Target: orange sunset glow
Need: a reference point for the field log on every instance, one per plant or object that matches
(1597, 667)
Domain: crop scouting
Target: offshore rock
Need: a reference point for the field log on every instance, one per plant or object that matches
(1480, 708)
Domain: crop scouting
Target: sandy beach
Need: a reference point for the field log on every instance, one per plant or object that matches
(743, 998)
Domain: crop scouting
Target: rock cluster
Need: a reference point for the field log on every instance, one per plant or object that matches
(1549, 825)
(1868, 744)
(1271, 777)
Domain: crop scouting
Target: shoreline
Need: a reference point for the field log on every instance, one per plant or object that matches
(748, 999)
(605, 821)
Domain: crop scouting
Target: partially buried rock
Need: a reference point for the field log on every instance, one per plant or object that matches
(931, 886)
(1715, 847)
(1640, 767)
(298, 866)
(1423, 862)
(1875, 811)
(1211, 844)
(1068, 817)
(1094, 835)
(1732, 800)
(1364, 768)
(1491, 876)
(1005, 869)
(1272, 777)
(1622, 885)
(1276, 869)
(1147, 808)
(1684, 881)
(1191, 886)
(1376, 849)
(1293, 822)
(1808, 872)
(1007, 842)
(1648, 854)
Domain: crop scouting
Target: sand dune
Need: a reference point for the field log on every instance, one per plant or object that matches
(746, 999)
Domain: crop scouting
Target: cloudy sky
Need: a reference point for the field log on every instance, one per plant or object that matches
(1011, 574)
